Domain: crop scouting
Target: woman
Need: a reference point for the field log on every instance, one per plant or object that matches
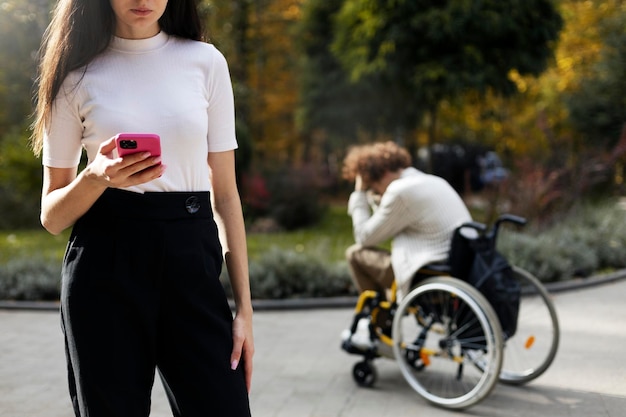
(140, 287)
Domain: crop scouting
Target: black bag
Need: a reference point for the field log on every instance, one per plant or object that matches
(476, 261)
(461, 255)
(492, 275)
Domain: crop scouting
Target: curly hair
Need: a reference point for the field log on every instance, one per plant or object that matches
(372, 161)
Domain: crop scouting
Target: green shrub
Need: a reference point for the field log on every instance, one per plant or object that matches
(607, 224)
(296, 200)
(558, 257)
(281, 274)
(590, 238)
(309, 263)
(528, 253)
(30, 279)
(20, 182)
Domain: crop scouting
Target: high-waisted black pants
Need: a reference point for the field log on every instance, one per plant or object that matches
(140, 292)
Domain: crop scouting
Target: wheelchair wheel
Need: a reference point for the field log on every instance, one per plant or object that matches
(440, 330)
(533, 347)
(364, 373)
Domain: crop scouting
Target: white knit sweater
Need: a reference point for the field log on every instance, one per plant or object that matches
(419, 212)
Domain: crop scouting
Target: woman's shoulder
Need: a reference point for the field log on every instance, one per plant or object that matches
(198, 54)
(202, 48)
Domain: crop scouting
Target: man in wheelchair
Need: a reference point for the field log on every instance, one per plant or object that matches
(394, 201)
(447, 333)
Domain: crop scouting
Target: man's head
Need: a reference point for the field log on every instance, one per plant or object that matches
(373, 161)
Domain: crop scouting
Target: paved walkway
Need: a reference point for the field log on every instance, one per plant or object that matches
(301, 372)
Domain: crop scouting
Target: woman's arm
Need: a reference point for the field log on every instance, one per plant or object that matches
(66, 196)
(229, 218)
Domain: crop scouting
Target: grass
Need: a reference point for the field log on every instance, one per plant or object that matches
(310, 262)
(327, 240)
(584, 241)
(31, 243)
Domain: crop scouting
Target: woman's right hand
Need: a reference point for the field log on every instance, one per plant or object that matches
(133, 169)
(65, 196)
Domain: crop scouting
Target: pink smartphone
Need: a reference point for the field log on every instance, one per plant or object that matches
(128, 143)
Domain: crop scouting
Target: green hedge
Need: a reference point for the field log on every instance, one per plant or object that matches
(30, 279)
(277, 274)
(280, 274)
(592, 238)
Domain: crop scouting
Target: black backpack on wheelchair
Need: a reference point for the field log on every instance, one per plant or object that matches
(473, 258)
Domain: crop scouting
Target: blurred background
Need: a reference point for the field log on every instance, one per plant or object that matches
(520, 105)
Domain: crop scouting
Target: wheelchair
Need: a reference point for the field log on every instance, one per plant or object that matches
(447, 338)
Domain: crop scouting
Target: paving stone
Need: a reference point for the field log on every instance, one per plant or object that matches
(300, 371)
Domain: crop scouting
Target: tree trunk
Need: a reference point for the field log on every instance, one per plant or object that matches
(431, 138)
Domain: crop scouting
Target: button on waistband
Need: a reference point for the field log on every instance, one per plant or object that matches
(192, 204)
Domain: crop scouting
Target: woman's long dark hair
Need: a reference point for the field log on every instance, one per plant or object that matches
(82, 29)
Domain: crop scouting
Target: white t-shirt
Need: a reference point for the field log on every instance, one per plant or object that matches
(179, 89)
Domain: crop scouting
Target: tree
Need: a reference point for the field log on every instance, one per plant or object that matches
(227, 24)
(536, 122)
(437, 49)
(257, 38)
(598, 108)
(21, 27)
(330, 104)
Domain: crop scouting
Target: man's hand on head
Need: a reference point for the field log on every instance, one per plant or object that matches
(358, 183)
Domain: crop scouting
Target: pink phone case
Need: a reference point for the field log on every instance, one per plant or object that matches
(128, 143)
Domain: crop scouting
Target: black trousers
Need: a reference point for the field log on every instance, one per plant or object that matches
(140, 292)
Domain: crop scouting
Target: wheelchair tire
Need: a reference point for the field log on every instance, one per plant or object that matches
(364, 373)
(533, 347)
(440, 329)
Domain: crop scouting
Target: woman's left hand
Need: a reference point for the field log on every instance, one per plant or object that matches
(243, 346)
(229, 219)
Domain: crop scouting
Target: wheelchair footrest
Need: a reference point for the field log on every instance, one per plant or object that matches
(370, 352)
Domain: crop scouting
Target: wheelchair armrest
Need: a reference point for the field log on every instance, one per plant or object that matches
(511, 218)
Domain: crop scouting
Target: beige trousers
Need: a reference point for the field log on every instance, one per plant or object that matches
(370, 268)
